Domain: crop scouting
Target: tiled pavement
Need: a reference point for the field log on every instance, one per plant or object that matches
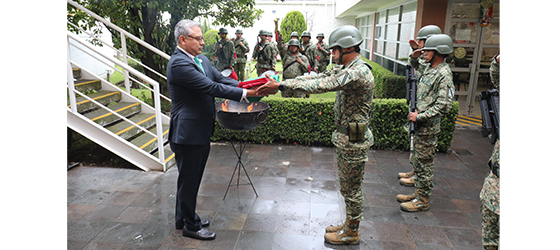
(298, 197)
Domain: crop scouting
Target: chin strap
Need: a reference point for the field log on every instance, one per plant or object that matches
(339, 60)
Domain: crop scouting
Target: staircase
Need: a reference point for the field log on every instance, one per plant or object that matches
(111, 116)
(130, 109)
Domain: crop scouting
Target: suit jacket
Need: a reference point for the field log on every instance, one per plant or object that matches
(192, 95)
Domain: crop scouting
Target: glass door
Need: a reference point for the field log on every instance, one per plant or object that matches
(475, 43)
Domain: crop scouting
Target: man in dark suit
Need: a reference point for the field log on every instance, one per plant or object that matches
(193, 84)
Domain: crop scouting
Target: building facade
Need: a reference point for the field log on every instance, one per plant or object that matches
(474, 26)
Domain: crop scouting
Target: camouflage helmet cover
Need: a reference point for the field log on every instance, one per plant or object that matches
(441, 43)
(293, 42)
(427, 31)
(346, 37)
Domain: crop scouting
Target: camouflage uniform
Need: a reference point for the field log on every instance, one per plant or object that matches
(264, 53)
(490, 193)
(354, 87)
(224, 54)
(495, 73)
(292, 69)
(434, 93)
(323, 54)
(241, 57)
(305, 51)
(490, 207)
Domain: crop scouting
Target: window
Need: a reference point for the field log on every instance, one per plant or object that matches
(365, 25)
(393, 28)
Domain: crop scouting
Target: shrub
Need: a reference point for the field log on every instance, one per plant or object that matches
(311, 122)
(293, 21)
(387, 84)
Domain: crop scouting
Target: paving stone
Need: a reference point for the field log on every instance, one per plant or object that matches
(110, 208)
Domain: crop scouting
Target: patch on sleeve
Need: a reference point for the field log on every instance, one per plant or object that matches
(343, 79)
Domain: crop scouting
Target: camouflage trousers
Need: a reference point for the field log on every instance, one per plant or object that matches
(239, 69)
(490, 228)
(422, 160)
(351, 167)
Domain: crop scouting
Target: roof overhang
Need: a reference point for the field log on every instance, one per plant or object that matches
(356, 8)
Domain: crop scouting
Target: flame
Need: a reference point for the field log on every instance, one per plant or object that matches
(225, 106)
(250, 107)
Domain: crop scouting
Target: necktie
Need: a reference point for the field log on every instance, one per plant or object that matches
(197, 61)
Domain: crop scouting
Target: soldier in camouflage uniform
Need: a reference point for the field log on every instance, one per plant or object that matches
(435, 93)
(294, 65)
(321, 53)
(274, 44)
(264, 53)
(241, 47)
(353, 82)
(305, 45)
(490, 193)
(407, 179)
(224, 51)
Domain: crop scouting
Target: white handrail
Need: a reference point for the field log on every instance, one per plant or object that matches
(157, 102)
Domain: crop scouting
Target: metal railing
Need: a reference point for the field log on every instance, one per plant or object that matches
(126, 67)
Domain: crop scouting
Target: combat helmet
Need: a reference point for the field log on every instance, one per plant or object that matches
(294, 34)
(427, 31)
(346, 37)
(306, 33)
(222, 30)
(294, 42)
(441, 43)
(263, 33)
(320, 35)
(239, 31)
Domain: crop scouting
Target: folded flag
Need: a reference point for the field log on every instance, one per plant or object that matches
(258, 81)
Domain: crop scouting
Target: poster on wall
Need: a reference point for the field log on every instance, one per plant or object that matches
(486, 8)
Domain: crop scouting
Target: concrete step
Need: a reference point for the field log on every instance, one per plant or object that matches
(169, 156)
(103, 97)
(87, 85)
(104, 117)
(147, 142)
(77, 72)
(126, 130)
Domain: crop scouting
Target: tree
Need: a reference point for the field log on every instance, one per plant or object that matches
(294, 21)
(144, 19)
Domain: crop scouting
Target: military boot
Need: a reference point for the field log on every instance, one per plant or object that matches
(406, 175)
(331, 228)
(348, 235)
(407, 197)
(409, 182)
(417, 204)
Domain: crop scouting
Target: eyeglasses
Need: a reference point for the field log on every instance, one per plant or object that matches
(198, 38)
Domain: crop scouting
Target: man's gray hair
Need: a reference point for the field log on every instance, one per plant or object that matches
(183, 28)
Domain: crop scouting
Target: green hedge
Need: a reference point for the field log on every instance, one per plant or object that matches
(311, 122)
(387, 84)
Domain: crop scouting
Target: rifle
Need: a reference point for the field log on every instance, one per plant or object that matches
(490, 112)
(411, 99)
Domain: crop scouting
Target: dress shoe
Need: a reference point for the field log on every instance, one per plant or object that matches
(203, 223)
(202, 234)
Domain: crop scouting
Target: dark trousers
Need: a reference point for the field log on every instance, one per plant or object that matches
(191, 161)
